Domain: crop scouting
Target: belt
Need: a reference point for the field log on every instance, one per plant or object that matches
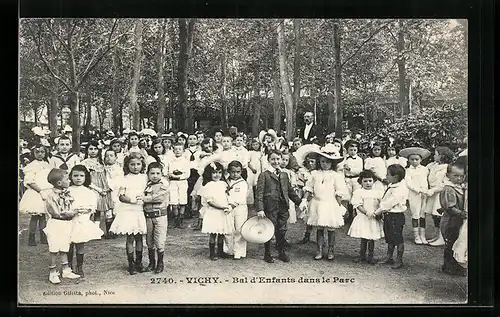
(352, 176)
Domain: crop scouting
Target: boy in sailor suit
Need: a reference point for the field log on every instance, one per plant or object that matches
(63, 159)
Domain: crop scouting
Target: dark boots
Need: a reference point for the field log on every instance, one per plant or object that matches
(280, 239)
(31, 239)
(138, 262)
(70, 256)
(362, 252)
(320, 240)
(198, 225)
(159, 264)
(131, 263)
(371, 247)
(43, 237)
(181, 222)
(220, 248)
(306, 239)
(152, 261)
(213, 255)
(331, 245)
(390, 251)
(267, 253)
(79, 265)
(399, 259)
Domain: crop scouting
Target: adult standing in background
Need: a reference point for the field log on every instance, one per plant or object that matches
(310, 131)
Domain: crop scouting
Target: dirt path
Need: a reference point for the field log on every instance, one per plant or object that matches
(302, 281)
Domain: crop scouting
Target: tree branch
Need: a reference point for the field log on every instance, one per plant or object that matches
(364, 42)
(91, 65)
(38, 43)
(64, 44)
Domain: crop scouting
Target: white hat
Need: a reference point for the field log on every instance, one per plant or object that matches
(126, 131)
(44, 142)
(38, 131)
(424, 153)
(257, 230)
(67, 128)
(149, 132)
(110, 133)
(270, 132)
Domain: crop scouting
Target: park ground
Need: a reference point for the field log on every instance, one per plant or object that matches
(107, 281)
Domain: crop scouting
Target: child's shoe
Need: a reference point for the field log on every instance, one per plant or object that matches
(67, 273)
(54, 278)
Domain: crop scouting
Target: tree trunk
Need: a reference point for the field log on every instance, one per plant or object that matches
(257, 108)
(191, 107)
(75, 120)
(222, 92)
(115, 106)
(276, 97)
(54, 104)
(88, 121)
(332, 117)
(134, 107)
(162, 104)
(186, 33)
(285, 82)
(403, 90)
(296, 74)
(338, 80)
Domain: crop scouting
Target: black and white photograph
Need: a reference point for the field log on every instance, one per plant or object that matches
(285, 161)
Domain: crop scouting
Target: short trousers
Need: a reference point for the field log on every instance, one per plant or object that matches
(178, 192)
(393, 227)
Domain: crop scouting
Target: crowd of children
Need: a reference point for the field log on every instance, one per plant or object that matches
(140, 184)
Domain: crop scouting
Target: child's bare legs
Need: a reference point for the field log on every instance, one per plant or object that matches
(211, 244)
(129, 246)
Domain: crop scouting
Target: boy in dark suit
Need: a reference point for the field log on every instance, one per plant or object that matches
(271, 201)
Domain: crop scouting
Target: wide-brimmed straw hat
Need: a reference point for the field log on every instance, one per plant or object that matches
(257, 230)
(303, 151)
(424, 153)
(149, 132)
(331, 152)
(67, 129)
(270, 132)
(38, 131)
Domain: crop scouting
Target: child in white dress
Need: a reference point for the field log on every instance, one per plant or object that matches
(114, 174)
(254, 165)
(218, 219)
(394, 158)
(130, 220)
(437, 175)
(365, 226)
(285, 159)
(376, 164)
(35, 181)
(303, 176)
(329, 195)
(207, 151)
(84, 205)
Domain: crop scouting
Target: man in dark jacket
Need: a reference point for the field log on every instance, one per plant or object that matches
(311, 131)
